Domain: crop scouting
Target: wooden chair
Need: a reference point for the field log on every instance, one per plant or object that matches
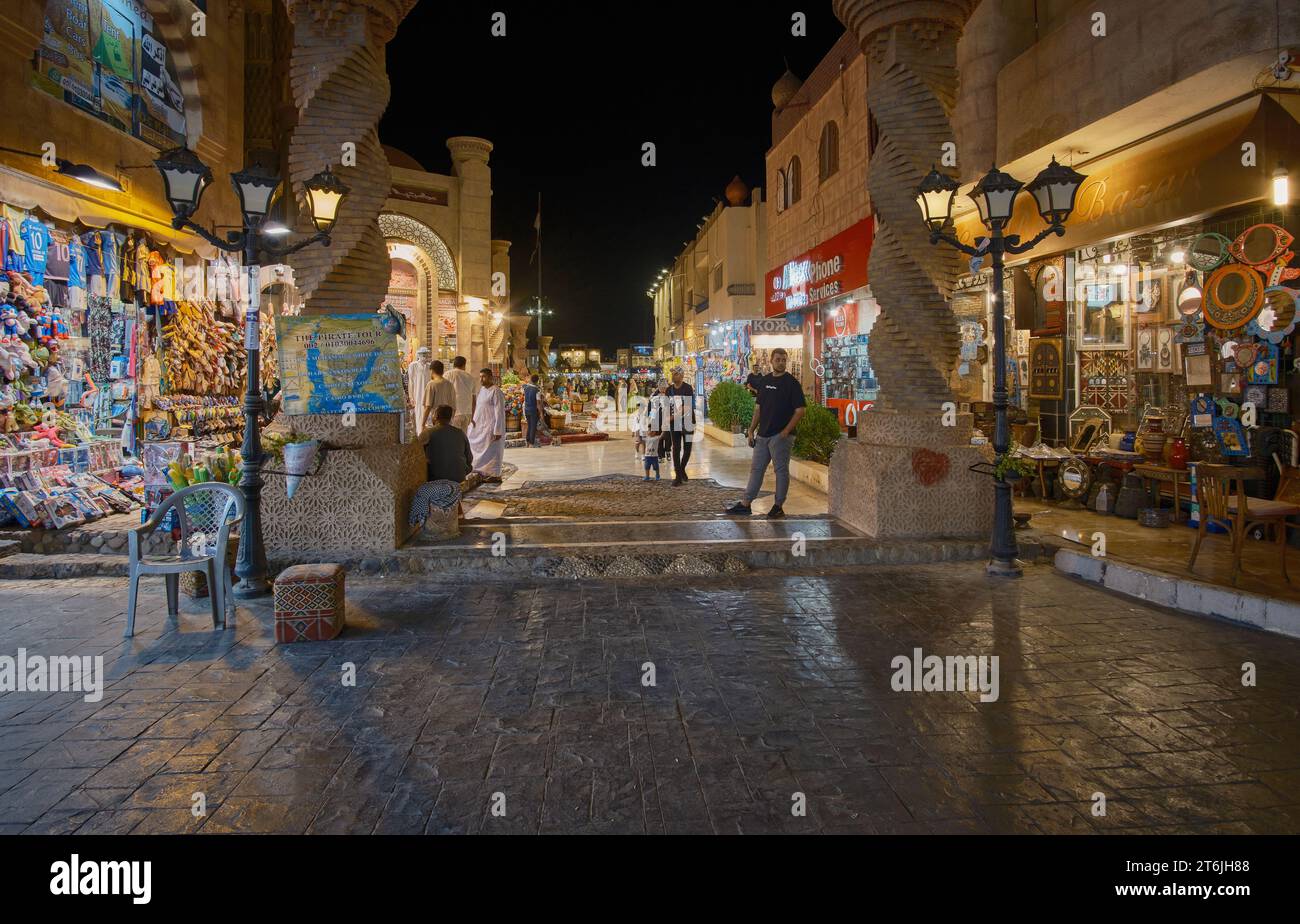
(1221, 496)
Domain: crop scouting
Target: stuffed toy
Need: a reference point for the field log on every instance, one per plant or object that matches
(8, 423)
(51, 433)
(9, 322)
(56, 385)
(60, 326)
(19, 348)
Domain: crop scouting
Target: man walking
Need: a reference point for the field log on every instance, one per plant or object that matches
(488, 430)
(681, 402)
(463, 383)
(438, 392)
(780, 408)
(531, 411)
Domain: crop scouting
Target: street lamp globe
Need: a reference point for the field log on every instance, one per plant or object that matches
(324, 194)
(1054, 189)
(934, 196)
(995, 196)
(184, 179)
(256, 187)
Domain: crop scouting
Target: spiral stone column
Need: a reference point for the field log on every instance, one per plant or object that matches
(906, 475)
(355, 508)
(340, 87)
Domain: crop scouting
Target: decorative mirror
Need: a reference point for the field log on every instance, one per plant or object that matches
(1208, 252)
(1277, 319)
(1189, 296)
(1233, 295)
(1260, 244)
(1075, 477)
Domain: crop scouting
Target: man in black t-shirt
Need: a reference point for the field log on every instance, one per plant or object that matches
(681, 401)
(754, 378)
(780, 408)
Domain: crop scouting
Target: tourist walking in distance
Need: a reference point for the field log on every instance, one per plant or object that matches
(531, 410)
(780, 408)
(463, 382)
(437, 393)
(487, 432)
(681, 403)
(651, 451)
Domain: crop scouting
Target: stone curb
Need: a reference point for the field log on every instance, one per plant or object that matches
(1184, 594)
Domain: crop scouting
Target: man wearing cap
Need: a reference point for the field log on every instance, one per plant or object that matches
(463, 382)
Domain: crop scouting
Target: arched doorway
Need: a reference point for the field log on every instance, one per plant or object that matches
(423, 284)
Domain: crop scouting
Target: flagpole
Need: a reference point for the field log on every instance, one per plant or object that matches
(539, 267)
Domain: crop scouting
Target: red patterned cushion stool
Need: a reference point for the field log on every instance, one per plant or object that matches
(309, 603)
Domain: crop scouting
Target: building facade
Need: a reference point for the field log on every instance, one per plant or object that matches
(704, 305)
(449, 277)
(816, 295)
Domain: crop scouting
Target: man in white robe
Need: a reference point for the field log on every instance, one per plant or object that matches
(463, 382)
(417, 377)
(487, 431)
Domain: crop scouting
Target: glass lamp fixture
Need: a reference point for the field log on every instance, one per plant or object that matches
(995, 196)
(184, 179)
(934, 197)
(256, 187)
(1054, 189)
(324, 193)
(1178, 257)
(1281, 186)
(84, 173)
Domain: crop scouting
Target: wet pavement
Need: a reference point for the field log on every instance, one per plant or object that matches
(523, 708)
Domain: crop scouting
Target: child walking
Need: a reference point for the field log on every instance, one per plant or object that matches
(650, 447)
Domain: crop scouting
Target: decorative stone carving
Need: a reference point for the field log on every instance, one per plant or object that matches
(340, 87)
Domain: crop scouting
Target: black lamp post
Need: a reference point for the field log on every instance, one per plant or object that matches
(184, 179)
(1054, 190)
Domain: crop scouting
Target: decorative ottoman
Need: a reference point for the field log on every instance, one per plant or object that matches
(309, 603)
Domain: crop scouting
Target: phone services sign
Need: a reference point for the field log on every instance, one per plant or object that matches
(830, 269)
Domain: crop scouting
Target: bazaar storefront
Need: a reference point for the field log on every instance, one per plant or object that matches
(1161, 335)
(823, 296)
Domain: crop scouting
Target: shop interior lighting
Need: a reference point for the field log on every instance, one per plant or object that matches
(1178, 256)
(1281, 186)
(83, 173)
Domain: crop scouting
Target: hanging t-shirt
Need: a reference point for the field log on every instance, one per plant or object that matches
(94, 253)
(127, 270)
(111, 245)
(14, 251)
(76, 263)
(56, 262)
(36, 241)
(141, 257)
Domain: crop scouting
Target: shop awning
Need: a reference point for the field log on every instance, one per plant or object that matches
(34, 193)
(1188, 173)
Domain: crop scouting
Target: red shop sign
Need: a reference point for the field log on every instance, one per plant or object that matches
(830, 269)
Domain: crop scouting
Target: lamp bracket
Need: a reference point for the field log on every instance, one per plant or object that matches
(1013, 245)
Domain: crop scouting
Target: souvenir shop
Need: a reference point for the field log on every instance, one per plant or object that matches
(819, 308)
(1135, 357)
(123, 365)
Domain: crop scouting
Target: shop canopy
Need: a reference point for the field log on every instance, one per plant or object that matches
(1190, 172)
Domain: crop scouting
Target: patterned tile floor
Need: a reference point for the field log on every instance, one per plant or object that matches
(528, 699)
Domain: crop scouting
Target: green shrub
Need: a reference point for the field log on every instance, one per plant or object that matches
(816, 435)
(510, 378)
(729, 403)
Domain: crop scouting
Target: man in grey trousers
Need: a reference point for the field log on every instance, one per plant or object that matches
(780, 408)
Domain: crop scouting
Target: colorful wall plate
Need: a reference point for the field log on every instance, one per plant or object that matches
(1233, 296)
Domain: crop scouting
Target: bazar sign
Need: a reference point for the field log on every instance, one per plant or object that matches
(830, 269)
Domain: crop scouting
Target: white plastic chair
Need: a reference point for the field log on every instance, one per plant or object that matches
(207, 513)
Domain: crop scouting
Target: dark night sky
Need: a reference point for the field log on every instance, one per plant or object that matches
(567, 98)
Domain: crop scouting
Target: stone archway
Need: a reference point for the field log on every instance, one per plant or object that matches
(432, 257)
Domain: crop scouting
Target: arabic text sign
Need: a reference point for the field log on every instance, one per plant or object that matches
(327, 361)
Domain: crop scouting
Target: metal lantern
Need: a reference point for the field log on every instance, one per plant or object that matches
(256, 187)
(324, 193)
(184, 179)
(995, 196)
(934, 196)
(1054, 189)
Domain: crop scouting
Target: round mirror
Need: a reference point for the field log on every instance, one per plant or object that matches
(1232, 296)
(1261, 244)
(1208, 252)
(1189, 297)
(1280, 302)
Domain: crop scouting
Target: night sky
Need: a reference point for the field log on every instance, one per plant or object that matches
(567, 98)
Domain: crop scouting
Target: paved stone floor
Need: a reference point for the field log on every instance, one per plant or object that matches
(767, 686)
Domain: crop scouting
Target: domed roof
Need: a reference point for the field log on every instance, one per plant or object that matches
(397, 158)
(736, 191)
(785, 88)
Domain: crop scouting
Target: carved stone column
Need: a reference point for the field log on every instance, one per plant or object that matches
(543, 353)
(519, 342)
(906, 475)
(340, 87)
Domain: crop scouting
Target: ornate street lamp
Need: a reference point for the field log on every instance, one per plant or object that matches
(1054, 190)
(184, 179)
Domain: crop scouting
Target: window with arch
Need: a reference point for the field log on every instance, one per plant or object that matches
(110, 58)
(792, 173)
(828, 151)
(780, 191)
